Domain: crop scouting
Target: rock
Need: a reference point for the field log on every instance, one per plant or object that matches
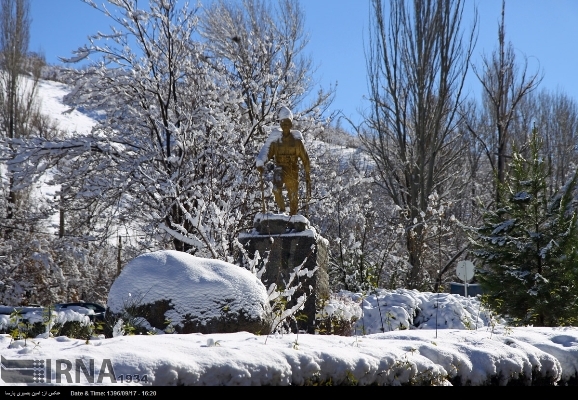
(195, 295)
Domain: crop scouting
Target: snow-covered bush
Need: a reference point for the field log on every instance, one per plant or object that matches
(385, 310)
(47, 322)
(338, 315)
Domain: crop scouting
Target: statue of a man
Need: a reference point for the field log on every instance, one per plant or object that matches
(285, 147)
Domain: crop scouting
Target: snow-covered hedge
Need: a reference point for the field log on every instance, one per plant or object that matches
(385, 310)
(48, 318)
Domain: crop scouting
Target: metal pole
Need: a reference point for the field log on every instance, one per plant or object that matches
(262, 194)
(118, 256)
(308, 199)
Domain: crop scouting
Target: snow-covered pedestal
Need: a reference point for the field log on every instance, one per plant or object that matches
(286, 243)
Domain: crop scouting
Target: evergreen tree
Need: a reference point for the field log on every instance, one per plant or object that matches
(527, 247)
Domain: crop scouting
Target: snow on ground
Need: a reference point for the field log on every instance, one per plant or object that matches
(392, 358)
(344, 154)
(420, 355)
(69, 120)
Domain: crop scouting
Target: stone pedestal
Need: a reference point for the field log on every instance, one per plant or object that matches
(287, 242)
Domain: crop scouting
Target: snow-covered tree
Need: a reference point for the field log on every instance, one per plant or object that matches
(418, 58)
(505, 82)
(167, 149)
(262, 45)
(528, 246)
(556, 115)
(19, 76)
(25, 245)
(173, 155)
(364, 248)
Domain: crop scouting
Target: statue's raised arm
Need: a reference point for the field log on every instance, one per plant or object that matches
(285, 147)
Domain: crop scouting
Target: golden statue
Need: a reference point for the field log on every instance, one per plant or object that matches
(285, 147)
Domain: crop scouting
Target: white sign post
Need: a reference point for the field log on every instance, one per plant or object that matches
(465, 271)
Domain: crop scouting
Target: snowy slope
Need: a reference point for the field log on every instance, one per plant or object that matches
(69, 120)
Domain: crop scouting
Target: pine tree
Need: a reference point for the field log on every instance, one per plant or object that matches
(527, 246)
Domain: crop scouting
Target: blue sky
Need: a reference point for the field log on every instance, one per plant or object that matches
(546, 32)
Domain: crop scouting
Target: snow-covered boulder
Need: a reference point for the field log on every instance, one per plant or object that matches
(176, 291)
